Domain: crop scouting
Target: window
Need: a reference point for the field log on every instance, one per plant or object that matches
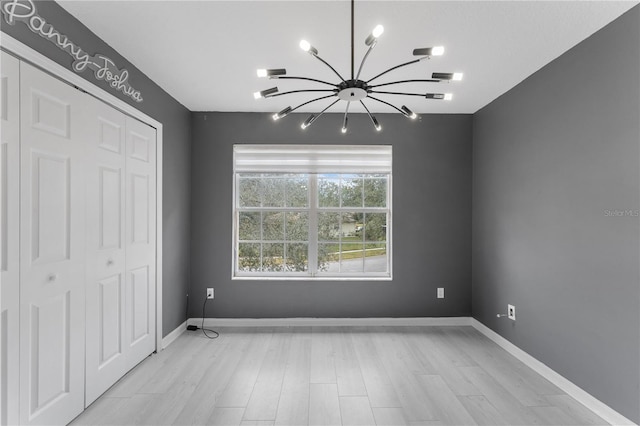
(305, 212)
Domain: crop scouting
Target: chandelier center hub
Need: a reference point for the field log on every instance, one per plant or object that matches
(352, 90)
(352, 94)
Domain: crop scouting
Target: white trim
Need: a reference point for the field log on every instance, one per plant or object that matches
(577, 393)
(333, 322)
(26, 53)
(171, 337)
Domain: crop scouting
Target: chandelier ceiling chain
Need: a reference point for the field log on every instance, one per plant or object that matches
(354, 89)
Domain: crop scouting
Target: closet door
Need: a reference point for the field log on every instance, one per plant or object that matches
(52, 249)
(140, 240)
(9, 247)
(106, 260)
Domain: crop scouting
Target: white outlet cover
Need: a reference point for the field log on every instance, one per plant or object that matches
(440, 293)
(511, 311)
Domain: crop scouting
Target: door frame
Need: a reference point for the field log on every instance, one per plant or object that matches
(24, 52)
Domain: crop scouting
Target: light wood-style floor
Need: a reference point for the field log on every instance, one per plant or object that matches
(336, 376)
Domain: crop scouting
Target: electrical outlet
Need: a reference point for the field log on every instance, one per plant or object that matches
(210, 293)
(440, 293)
(511, 312)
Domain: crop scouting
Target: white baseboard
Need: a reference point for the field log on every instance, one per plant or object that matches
(169, 338)
(580, 395)
(332, 322)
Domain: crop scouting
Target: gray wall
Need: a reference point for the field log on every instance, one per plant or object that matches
(177, 146)
(431, 219)
(549, 158)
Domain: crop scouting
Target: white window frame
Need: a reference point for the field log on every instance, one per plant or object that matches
(313, 160)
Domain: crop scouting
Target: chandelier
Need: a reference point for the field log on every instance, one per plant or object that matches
(355, 89)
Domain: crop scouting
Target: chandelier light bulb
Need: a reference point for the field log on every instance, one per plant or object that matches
(307, 122)
(448, 96)
(262, 73)
(265, 93)
(437, 51)
(408, 113)
(373, 37)
(457, 76)
(344, 130)
(305, 45)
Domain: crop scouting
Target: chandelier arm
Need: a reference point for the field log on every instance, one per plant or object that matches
(368, 113)
(393, 68)
(387, 103)
(305, 78)
(313, 100)
(300, 91)
(332, 69)
(364, 59)
(395, 93)
(323, 111)
(406, 81)
(344, 120)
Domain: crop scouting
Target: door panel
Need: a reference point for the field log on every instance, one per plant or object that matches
(140, 239)
(50, 205)
(9, 238)
(110, 208)
(110, 333)
(50, 352)
(139, 306)
(140, 206)
(106, 260)
(52, 249)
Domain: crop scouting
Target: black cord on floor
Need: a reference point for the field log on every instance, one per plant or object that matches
(204, 330)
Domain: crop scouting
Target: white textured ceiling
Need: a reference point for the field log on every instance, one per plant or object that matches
(205, 53)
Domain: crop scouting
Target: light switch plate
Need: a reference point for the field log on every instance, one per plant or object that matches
(440, 292)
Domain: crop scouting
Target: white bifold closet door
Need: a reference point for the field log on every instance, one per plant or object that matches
(52, 249)
(9, 248)
(120, 246)
(85, 302)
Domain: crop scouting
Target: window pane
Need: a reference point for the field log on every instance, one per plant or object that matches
(274, 213)
(351, 225)
(328, 257)
(248, 257)
(328, 191)
(273, 226)
(328, 226)
(297, 226)
(297, 188)
(249, 192)
(297, 257)
(249, 226)
(351, 257)
(375, 192)
(272, 257)
(351, 191)
(375, 227)
(273, 191)
(376, 258)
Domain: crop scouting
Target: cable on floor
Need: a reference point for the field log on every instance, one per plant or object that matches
(204, 330)
(215, 334)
